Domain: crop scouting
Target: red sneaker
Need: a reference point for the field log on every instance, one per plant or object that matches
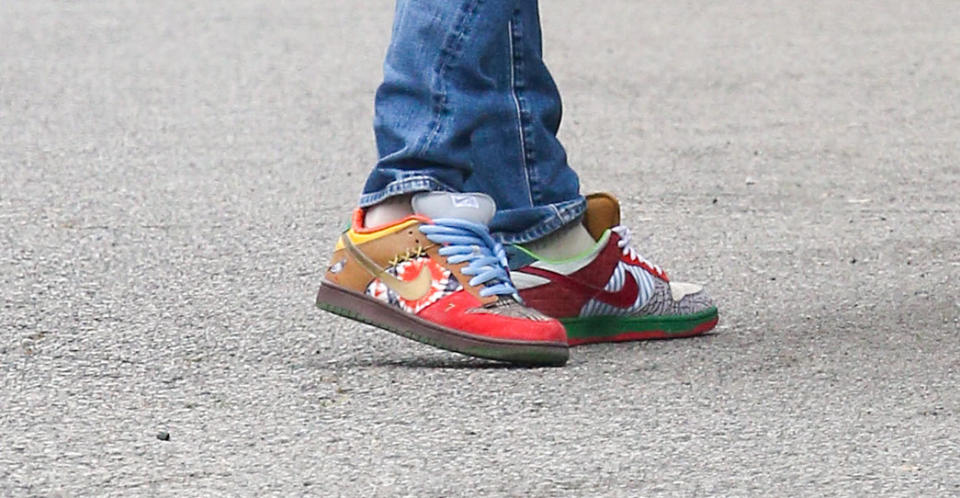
(440, 281)
(612, 293)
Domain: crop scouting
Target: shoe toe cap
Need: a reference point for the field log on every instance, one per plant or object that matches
(677, 298)
(527, 325)
(511, 322)
(680, 290)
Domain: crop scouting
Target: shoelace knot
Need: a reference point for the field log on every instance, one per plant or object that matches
(628, 250)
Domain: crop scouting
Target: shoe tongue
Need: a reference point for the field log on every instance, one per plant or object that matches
(478, 208)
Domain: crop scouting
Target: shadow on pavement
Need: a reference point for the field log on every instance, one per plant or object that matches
(451, 362)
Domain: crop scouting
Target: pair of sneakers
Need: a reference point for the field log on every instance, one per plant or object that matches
(438, 277)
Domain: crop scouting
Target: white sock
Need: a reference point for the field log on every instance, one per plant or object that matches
(388, 210)
(565, 243)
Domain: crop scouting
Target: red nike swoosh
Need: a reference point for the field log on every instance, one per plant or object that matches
(623, 298)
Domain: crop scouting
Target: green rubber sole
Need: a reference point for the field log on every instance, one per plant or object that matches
(609, 328)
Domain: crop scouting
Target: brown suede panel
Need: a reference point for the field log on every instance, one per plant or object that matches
(603, 212)
(384, 250)
(350, 276)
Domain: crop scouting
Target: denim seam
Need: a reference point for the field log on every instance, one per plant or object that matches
(406, 185)
(516, 81)
(449, 52)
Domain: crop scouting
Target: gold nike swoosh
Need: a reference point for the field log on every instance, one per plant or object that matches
(413, 290)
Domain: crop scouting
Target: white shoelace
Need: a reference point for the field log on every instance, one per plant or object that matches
(628, 250)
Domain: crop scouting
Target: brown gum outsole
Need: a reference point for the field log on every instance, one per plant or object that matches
(353, 305)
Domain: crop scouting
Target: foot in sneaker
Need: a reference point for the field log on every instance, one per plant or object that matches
(439, 278)
(611, 293)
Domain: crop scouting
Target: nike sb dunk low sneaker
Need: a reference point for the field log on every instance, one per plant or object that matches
(438, 277)
(610, 293)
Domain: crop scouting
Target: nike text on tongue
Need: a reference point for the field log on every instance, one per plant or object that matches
(465, 201)
(477, 208)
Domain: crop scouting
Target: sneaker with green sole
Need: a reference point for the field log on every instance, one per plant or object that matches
(610, 293)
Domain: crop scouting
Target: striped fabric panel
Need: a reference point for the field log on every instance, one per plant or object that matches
(644, 282)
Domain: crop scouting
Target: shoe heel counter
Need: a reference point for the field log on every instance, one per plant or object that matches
(343, 270)
(333, 270)
(338, 261)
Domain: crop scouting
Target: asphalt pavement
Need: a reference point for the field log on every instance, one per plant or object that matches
(173, 175)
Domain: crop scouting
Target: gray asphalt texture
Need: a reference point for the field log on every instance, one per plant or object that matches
(173, 176)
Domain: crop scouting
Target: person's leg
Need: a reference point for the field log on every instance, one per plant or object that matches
(468, 105)
(519, 160)
(581, 270)
(443, 80)
(423, 264)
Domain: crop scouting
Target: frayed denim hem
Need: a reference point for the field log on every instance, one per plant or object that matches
(563, 214)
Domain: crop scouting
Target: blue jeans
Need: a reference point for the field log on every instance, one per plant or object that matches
(468, 105)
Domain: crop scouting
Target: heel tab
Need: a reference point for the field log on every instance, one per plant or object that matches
(603, 212)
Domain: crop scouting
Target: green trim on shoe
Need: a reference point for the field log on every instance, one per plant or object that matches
(609, 328)
(600, 243)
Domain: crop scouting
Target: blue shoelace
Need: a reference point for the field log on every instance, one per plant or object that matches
(465, 241)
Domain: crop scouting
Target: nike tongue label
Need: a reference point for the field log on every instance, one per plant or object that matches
(623, 298)
(465, 201)
(477, 208)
